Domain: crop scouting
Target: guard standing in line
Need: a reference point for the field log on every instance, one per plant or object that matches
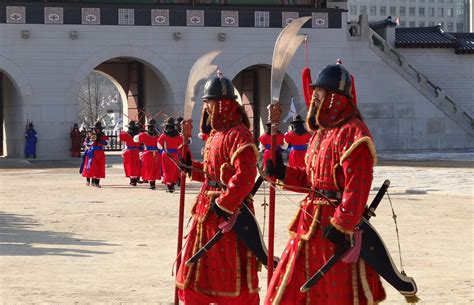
(170, 141)
(297, 140)
(339, 165)
(131, 153)
(227, 273)
(77, 138)
(31, 137)
(151, 156)
(94, 162)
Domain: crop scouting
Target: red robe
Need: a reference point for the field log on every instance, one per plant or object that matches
(151, 157)
(339, 159)
(76, 142)
(94, 163)
(131, 155)
(227, 273)
(299, 144)
(172, 145)
(266, 141)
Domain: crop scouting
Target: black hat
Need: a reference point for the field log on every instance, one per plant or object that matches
(297, 118)
(98, 125)
(151, 122)
(217, 88)
(132, 125)
(335, 78)
(169, 122)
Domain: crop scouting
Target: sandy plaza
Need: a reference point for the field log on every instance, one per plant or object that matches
(62, 242)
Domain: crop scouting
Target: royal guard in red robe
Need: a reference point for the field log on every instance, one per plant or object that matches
(131, 153)
(77, 138)
(151, 156)
(227, 273)
(297, 140)
(170, 142)
(339, 165)
(94, 162)
(266, 141)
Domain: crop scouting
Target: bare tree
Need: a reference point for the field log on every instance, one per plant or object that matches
(97, 98)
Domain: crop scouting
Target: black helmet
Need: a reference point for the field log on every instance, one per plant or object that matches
(98, 125)
(217, 88)
(297, 118)
(335, 78)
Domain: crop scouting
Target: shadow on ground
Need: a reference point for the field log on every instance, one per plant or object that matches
(19, 237)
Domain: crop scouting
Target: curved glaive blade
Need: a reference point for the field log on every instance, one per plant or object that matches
(285, 47)
(201, 70)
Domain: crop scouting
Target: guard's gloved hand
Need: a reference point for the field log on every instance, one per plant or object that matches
(277, 170)
(218, 211)
(188, 162)
(337, 237)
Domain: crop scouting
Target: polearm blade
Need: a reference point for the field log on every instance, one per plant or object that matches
(285, 48)
(201, 70)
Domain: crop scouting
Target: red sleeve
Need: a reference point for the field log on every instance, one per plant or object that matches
(296, 176)
(280, 139)
(197, 175)
(241, 183)
(261, 139)
(287, 137)
(358, 178)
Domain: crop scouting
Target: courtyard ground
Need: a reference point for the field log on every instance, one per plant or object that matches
(63, 242)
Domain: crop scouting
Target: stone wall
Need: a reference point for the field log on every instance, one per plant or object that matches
(48, 68)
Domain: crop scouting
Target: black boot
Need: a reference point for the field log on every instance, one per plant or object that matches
(134, 182)
(97, 181)
(152, 185)
(170, 188)
(131, 181)
(88, 181)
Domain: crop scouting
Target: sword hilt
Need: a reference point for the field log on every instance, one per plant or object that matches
(370, 211)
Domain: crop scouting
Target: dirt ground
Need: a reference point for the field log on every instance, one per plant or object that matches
(63, 242)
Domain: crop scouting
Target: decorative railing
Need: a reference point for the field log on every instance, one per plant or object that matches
(422, 83)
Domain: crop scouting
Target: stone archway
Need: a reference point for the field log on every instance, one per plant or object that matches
(16, 102)
(258, 66)
(158, 68)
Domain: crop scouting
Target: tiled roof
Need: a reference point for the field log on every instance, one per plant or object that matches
(434, 37)
(383, 23)
(465, 42)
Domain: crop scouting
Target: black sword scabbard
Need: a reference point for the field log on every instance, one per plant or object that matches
(219, 233)
(324, 269)
(341, 251)
(204, 249)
